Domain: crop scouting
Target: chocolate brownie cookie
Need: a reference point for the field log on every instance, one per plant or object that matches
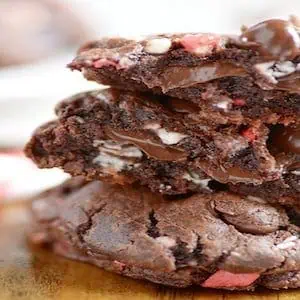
(219, 240)
(238, 78)
(128, 137)
(285, 191)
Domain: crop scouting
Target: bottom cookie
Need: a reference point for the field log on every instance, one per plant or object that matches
(218, 240)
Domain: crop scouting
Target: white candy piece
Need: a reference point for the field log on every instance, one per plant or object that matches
(79, 120)
(102, 97)
(273, 70)
(296, 172)
(288, 243)
(158, 46)
(265, 69)
(164, 187)
(167, 137)
(195, 178)
(256, 199)
(284, 246)
(284, 68)
(224, 104)
(116, 156)
(108, 161)
(118, 149)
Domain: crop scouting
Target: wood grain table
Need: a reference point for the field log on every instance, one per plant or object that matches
(32, 273)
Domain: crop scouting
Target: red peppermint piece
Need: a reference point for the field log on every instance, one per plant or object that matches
(200, 43)
(104, 62)
(121, 266)
(239, 102)
(249, 134)
(222, 279)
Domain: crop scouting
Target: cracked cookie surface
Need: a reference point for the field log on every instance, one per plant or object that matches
(219, 240)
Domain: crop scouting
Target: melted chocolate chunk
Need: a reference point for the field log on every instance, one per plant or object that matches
(145, 142)
(182, 106)
(273, 39)
(287, 139)
(294, 167)
(175, 77)
(289, 83)
(234, 174)
(294, 216)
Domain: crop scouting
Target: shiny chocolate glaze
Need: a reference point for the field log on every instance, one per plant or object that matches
(287, 139)
(174, 77)
(290, 83)
(294, 167)
(182, 106)
(274, 39)
(233, 174)
(146, 143)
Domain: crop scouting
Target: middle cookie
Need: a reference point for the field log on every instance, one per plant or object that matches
(157, 141)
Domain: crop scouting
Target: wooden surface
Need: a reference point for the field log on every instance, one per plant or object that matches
(27, 273)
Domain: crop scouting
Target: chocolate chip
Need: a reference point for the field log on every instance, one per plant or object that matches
(294, 216)
(274, 39)
(286, 139)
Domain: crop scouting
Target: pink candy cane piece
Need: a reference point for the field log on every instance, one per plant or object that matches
(222, 279)
(119, 265)
(249, 134)
(103, 62)
(199, 43)
(239, 102)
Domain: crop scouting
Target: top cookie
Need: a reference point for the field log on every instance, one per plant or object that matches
(254, 75)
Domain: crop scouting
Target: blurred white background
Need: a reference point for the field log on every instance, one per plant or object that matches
(29, 92)
(131, 17)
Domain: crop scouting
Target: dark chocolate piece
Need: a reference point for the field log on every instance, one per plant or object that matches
(274, 39)
(287, 139)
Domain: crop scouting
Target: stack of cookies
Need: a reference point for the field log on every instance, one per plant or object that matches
(197, 146)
